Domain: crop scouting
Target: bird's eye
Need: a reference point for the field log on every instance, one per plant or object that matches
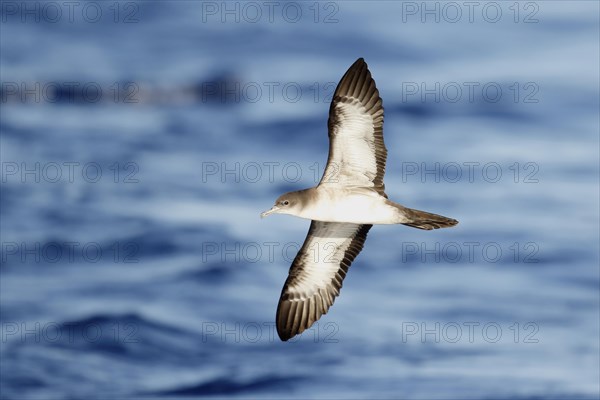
(285, 202)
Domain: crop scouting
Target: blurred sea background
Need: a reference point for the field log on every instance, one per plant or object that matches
(140, 140)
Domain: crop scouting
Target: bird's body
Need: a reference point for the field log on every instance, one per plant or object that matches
(348, 201)
(351, 205)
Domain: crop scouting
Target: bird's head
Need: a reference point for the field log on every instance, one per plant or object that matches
(288, 203)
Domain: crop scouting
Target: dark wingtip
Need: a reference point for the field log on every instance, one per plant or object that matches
(283, 331)
(360, 61)
(283, 336)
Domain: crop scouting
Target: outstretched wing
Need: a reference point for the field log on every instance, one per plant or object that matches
(357, 154)
(317, 273)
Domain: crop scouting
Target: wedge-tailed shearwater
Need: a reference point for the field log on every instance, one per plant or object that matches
(347, 202)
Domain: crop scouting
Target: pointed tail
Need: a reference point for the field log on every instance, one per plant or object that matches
(424, 220)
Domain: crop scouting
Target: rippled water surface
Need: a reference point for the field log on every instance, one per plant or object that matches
(134, 261)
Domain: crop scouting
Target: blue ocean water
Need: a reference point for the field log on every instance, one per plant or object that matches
(140, 141)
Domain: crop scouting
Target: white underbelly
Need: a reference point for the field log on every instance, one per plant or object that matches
(358, 209)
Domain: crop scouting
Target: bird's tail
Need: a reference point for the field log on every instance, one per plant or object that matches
(424, 220)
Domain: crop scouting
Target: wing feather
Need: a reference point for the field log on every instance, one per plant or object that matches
(317, 274)
(357, 152)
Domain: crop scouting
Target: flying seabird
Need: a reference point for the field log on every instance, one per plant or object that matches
(347, 202)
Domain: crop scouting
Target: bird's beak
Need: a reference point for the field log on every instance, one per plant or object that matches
(271, 211)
